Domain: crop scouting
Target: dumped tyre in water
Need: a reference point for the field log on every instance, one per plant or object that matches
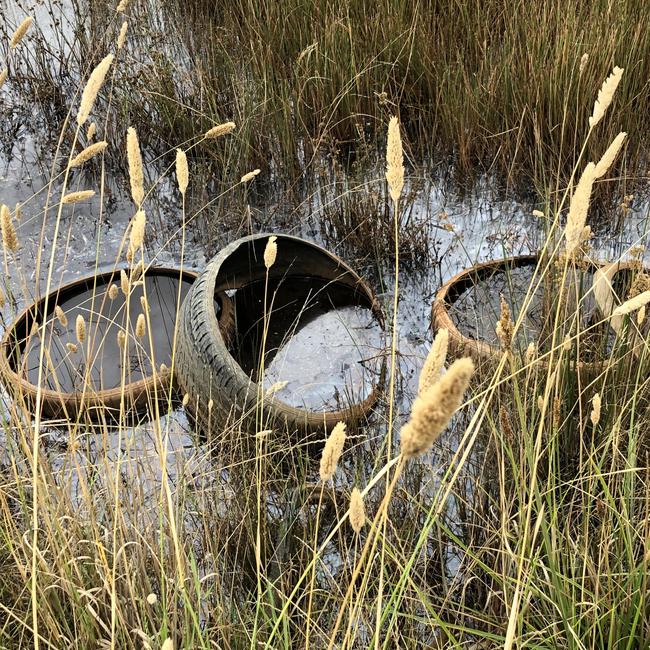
(223, 383)
(111, 370)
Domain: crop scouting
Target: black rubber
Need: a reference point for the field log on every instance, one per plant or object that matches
(222, 396)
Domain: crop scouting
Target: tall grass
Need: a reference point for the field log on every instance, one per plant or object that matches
(528, 522)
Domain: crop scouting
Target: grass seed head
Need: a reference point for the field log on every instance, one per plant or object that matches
(435, 361)
(137, 231)
(136, 170)
(3, 299)
(394, 160)
(270, 252)
(88, 153)
(92, 129)
(72, 347)
(505, 326)
(595, 409)
(186, 399)
(357, 511)
(124, 282)
(4, 73)
(112, 291)
(583, 62)
(250, 176)
(219, 130)
(609, 156)
(9, 236)
(121, 39)
(640, 317)
(80, 328)
(167, 645)
(432, 411)
(121, 7)
(632, 304)
(578, 208)
(140, 326)
(92, 88)
(332, 452)
(20, 32)
(77, 197)
(182, 171)
(605, 96)
(121, 339)
(60, 315)
(144, 304)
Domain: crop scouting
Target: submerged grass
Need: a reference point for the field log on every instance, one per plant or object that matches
(528, 524)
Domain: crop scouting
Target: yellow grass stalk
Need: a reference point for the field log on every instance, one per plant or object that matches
(60, 315)
(394, 160)
(605, 96)
(270, 252)
(595, 409)
(357, 511)
(219, 130)
(140, 326)
(432, 411)
(250, 176)
(9, 236)
(92, 129)
(93, 86)
(182, 171)
(136, 172)
(632, 304)
(88, 153)
(20, 32)
(435, 361)
(124, 282)
(121, 39)
(332, 452)
(80, 328)
(578, 210)
(112, 291)
(4, 73)
(77, 197)
(609, 156)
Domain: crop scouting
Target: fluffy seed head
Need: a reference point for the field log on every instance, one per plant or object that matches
(357, 511)
(88, 153)
(136, 173)
(140, 326)
(4, 73)
(505, 327)
(270, 252)
(3, 299)
(210, 404)
(278, 386)
(18, 212)
(80, 328)
(92, 129)
(93, 86)
(112, 291)
(182, 171)
(605, 96)
(219, 130)
(167, 645)
(20, 32)
(632, 304)
(583, 62)
(121, 39)
(122, 6)
(152, 599)
(332, 452)
(435, 361)
(578, 210)
(531, 352)
(60, 315)
(432, 411)
(250, 176)
(137, 231)
(121, 339)
(595, 409)
(77, 197)
(186, 399)
(9, 236)
(72, 347)
(394, 160)
(609, 156)
(145, 304)
(538, 213)
(640, 317)
(124, 282)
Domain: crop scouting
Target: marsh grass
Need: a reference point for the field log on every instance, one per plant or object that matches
(528, 522)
